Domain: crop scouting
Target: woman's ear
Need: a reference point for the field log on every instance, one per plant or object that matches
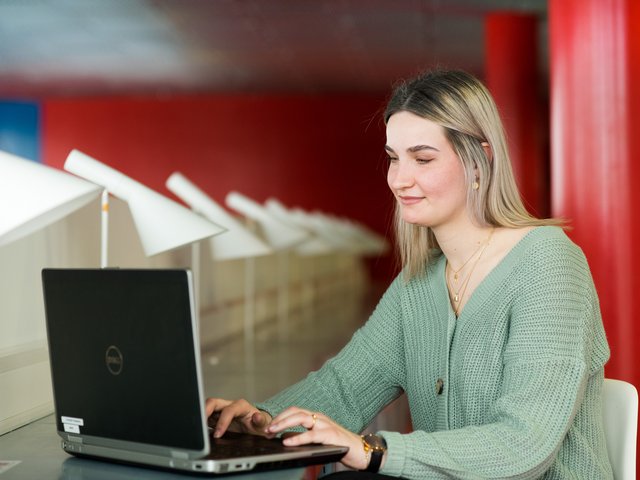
(487, 151)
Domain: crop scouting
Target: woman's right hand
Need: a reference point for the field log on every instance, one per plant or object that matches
(236, 416)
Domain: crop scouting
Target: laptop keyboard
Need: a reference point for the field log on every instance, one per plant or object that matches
(242, 445)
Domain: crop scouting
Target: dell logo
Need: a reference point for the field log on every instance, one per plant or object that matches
(114, 360)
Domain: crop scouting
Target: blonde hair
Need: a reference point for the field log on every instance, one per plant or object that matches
(463, 106)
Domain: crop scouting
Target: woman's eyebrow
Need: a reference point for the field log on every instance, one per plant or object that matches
(414, 149)
(418, 148)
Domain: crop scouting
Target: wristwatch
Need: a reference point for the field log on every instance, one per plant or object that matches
(374, 446)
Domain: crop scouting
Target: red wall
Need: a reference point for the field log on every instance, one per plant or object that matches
(315, 152)
(511, 72)
(595, 69)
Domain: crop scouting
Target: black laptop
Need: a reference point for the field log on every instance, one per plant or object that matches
(125, 365)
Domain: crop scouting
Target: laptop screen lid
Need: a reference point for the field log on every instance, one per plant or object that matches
(125, 360)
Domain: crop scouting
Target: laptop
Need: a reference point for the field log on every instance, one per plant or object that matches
(127, 384)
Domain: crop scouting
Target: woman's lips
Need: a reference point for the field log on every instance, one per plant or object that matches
(408, 200)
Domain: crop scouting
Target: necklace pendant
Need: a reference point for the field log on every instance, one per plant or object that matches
(455, 277)
(456, 298)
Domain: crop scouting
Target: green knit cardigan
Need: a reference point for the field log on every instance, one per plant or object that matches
(512, 388)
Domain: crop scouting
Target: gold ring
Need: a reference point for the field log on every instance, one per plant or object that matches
(314, 417)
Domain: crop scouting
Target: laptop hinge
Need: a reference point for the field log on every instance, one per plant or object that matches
(71, 438)
(180, 455)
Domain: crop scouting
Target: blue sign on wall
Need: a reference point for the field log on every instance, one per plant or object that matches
(20, 129)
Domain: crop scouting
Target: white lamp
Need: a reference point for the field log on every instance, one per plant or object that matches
(279, 234)
(314, 245)
(33, 196)
(238, 242)
(162, 224)
(365, 242)
(282, 237)
(331, 230)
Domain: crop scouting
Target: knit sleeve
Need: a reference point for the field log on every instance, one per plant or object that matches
(365, 376)
(546, 363)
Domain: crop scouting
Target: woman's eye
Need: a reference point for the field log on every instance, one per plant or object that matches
(422, 161)
(391, 159)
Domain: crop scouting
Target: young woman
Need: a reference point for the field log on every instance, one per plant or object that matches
(492, 329)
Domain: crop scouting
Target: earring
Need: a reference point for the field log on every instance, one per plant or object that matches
(475, 185)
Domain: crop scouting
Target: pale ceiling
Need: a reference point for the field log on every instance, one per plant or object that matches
(79, 47)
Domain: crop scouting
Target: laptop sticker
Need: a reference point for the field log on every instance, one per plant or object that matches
(72, 421)
(72, 424)
(71, 428)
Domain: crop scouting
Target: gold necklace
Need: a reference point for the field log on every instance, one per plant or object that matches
(458, 295)
(456, 272)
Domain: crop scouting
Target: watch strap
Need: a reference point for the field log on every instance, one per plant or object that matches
(375, 461)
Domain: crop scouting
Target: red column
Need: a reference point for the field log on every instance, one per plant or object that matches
(512, 75)
(595, 106)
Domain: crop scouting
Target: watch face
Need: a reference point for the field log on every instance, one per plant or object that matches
(375, 442)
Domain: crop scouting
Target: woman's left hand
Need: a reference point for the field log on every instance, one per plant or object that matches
(320, 429)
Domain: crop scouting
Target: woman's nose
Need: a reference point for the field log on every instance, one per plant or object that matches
(400, 176)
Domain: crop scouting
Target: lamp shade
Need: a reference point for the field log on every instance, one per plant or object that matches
(314, 245)
(33, 196)
(363, 241)
(238, 242)
(162, 224)
(279, 234)
(330, 233)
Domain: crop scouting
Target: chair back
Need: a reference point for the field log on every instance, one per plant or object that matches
(620, 413)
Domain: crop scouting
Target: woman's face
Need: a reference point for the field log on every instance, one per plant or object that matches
(425, 175)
